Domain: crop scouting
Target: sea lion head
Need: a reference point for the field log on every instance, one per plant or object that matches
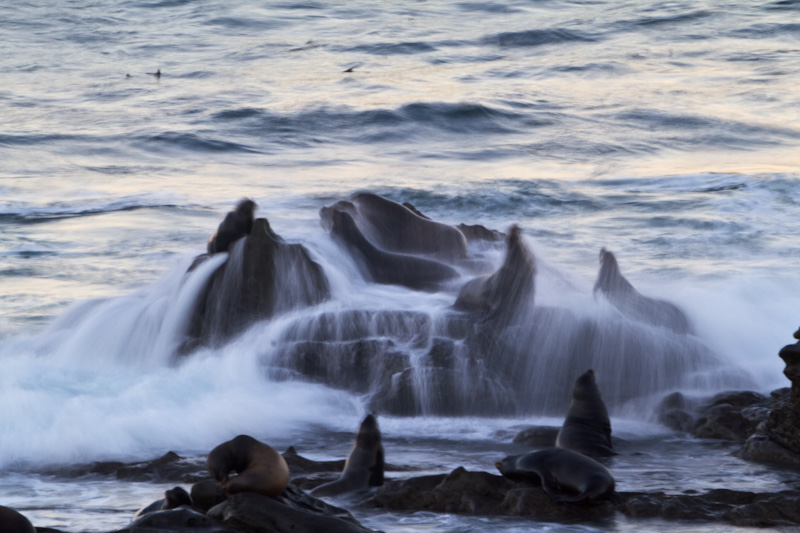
(369, 434)
(175, 497)
(585, 387)
(608, 276)
(246, 207)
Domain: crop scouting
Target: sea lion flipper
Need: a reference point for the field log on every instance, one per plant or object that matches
(376, 470)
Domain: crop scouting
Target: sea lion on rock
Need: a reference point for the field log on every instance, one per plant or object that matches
(259, 467)
(632, 303)
(173, 498)
(587, 428)
(12, 521)
(565, 476)
(387, 267)
(237, 224)
(396, 228)
(206, 494)
(510, 287)
(364, 466)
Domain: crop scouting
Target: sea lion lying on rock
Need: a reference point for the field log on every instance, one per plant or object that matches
(397, 228)
(173, 498)
(510, 287)
(259, 467)
(237, 224)
(587, 428)
(622, 295)
(364, 466)
(387, 267)
(565, 476)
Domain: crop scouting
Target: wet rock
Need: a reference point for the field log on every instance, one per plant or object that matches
(264, 275)
(733, 415)
(177, 521)
(538, 436)
(722, 421)
(461, 492)
(733, 507)
(168, 468)
(294, 511)
(675, 412)
(783, 423)
(760, 448)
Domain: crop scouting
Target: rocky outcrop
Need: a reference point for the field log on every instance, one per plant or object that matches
(292, 512)
(481, 493)
(264, 275)
(769, 426)
(783, 423)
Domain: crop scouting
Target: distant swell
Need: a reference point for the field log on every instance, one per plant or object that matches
(537, 37)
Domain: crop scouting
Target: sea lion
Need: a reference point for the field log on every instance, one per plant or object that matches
(259, 467)
(632, 303)
(397, 228)
(12, 521)
(587, 428)
(387, 267)
(237, 224)
(364, 466)
(510, 287)
(173, 498)
(565, 476)
(206, 494)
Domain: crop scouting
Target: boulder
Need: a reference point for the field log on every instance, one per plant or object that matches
(263, 276)
(292, 512)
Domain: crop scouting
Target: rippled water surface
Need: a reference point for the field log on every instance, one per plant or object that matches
(667, 132)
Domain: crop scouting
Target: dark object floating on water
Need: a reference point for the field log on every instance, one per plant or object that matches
(157, 73)
(349, 70)
(632, 303)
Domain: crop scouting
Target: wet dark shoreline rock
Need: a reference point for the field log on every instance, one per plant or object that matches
(768, 426)
(481, 493)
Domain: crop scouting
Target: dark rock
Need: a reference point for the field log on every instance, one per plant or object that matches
(264, 275)
(181, 520)
(760, 448)
(294, 511)
(721, 421)
(170, 468)
(538, 436)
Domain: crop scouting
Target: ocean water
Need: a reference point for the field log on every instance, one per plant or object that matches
(666, 131)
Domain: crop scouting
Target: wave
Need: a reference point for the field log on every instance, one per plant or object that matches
(529, 38)
(27, 214)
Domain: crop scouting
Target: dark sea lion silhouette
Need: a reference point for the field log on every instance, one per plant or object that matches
(380, 266)
(259, 467)
(237, 224)
(587, 428)
(364, 466)
(173, 498)
(630, 302)
(565, 476)
(510, 287)
(396, 228)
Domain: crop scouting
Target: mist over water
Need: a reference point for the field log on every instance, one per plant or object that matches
(665, 132)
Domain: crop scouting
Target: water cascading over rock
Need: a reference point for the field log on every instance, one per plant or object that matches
(264, 275)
